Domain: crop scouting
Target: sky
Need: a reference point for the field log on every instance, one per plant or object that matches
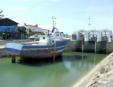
(71, 15)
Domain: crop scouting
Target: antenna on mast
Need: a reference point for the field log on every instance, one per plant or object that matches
(89, 21)
(53, 20)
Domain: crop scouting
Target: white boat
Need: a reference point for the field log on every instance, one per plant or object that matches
(44, 46)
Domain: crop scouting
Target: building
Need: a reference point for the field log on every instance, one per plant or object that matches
(46, 31)
(7, 29)
(93, 35)
(7, 25)
(36, 29)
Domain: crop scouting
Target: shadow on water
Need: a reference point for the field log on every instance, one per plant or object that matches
(48, 61)
(39, 61)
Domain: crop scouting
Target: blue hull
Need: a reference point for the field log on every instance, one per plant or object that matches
(35, 51)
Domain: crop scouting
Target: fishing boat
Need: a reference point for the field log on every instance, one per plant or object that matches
(43, 46)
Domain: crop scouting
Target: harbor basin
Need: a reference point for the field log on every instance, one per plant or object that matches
(64, 72)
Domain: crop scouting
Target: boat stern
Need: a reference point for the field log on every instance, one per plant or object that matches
(13, 48)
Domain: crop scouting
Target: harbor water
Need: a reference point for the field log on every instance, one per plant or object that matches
(64, 72)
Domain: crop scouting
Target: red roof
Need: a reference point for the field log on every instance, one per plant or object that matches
(32, 26)
(45, 30)
(37, 27)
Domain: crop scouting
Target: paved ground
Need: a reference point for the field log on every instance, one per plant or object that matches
(104, 76)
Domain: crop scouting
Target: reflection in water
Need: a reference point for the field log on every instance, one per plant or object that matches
(77, 63)
(44, 73)
(68, 65)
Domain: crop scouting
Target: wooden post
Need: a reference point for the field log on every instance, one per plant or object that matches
(54, 52)
(82, 46)
(13, 59)
(95, 47)
(54, 56)
(106, 47)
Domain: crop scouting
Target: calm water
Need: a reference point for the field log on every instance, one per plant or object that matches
(44, 73)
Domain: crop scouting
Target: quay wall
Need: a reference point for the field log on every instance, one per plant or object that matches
(98, 47)
(109, 47)
(71, 46)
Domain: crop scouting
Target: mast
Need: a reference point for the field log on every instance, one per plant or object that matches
(54, 24)
(53, 20)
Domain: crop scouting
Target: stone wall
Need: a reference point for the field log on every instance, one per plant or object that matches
(71, 46)
(109, 47)
(101, 47)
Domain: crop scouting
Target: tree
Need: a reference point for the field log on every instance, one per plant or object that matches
(21, 29)
(1, 15)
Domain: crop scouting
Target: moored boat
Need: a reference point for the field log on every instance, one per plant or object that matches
(43, 46)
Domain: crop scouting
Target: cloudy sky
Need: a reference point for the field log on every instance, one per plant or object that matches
(71, 15)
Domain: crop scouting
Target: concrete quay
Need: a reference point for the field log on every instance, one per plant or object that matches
(100, 76)
(98, 47)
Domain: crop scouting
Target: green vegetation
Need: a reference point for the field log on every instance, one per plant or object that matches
(1, 15)
(21, 29)
(31, 33)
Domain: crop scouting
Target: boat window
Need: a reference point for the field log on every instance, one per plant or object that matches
(43, 37)
(37, 39)
(52, 41)
(57, 34)
(36, 36)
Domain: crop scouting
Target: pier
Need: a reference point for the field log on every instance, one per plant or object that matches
(101, 47)
(91, 41)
